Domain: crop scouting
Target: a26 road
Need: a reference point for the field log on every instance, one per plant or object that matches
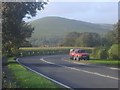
(71, 74)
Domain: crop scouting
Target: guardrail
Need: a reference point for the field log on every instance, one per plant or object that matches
(31, 51)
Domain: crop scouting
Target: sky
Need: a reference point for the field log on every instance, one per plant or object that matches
(94, 12)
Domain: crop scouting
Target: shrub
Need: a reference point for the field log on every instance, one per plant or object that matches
(100, 53)
(15, 51)
(113, 52)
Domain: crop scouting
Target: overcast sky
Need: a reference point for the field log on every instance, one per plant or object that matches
(94, 12)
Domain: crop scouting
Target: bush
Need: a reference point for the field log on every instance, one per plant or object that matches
(15, 51)
(94, 54)
(113, 52)
(100, 53)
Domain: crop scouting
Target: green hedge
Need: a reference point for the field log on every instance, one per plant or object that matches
(106, 53)
(113, 52)
(42, 52)
(100, 53)
(36, 52)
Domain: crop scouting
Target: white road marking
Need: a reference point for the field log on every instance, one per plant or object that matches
(95, 73)
(43, 74)
(46, 61)
(113, 68)
(74, 62)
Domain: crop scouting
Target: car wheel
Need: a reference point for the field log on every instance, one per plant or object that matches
(77, 58)
(88, 58)
(74, 58)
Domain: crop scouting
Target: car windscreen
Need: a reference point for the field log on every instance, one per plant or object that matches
(81, 51)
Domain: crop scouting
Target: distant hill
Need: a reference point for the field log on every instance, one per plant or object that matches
(57, 26)
(51, 30)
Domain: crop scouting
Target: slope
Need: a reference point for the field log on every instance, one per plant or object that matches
(50, 27)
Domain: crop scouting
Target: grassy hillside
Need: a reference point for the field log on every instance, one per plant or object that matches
(57, 26)
(51, 30)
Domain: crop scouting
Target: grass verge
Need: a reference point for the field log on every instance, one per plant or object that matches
(105, 62)
(23, 78)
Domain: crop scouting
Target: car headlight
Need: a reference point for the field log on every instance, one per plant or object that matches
(80, 56)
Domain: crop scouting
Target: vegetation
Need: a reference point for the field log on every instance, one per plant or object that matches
(113, 52)
(4, 82)
(32, 51)
(105, 62)
(22, 78)
(51, 29)
(44, 41)
(70, 39)
(112, 43)
(16, 34)
(100, 53)
(106, 46)
(14, 30)
(86, 39)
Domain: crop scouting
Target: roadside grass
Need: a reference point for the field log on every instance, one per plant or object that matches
(105, 62)
(22, 78)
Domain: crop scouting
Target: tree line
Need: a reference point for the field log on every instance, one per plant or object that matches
(107, 45)
(86, 39)
(91, 39)
(43, 41)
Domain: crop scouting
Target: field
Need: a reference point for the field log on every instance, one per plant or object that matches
(31, 51)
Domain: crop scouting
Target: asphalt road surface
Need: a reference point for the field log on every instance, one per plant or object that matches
(71, 74)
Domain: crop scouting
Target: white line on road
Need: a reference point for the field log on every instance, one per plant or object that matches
(95, 73)
(44, 75)
(113, 68)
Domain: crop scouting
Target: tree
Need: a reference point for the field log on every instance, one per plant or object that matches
(113, 37)
(14, 29)
(88, 39)
(113, 52)
(70, 39)
(109, 38)
(117, 32)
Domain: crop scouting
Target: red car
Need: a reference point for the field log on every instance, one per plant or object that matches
(78, 54)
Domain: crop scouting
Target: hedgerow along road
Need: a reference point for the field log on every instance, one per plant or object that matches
(69, 74)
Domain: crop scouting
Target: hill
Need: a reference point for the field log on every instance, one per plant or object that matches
(58, 27)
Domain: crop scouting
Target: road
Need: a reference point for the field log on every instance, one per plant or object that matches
(71, 74)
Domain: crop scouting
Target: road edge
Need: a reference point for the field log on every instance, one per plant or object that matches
(43, 75)
(110, 67)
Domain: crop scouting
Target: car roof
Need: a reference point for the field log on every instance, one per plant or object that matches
(78, 49)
